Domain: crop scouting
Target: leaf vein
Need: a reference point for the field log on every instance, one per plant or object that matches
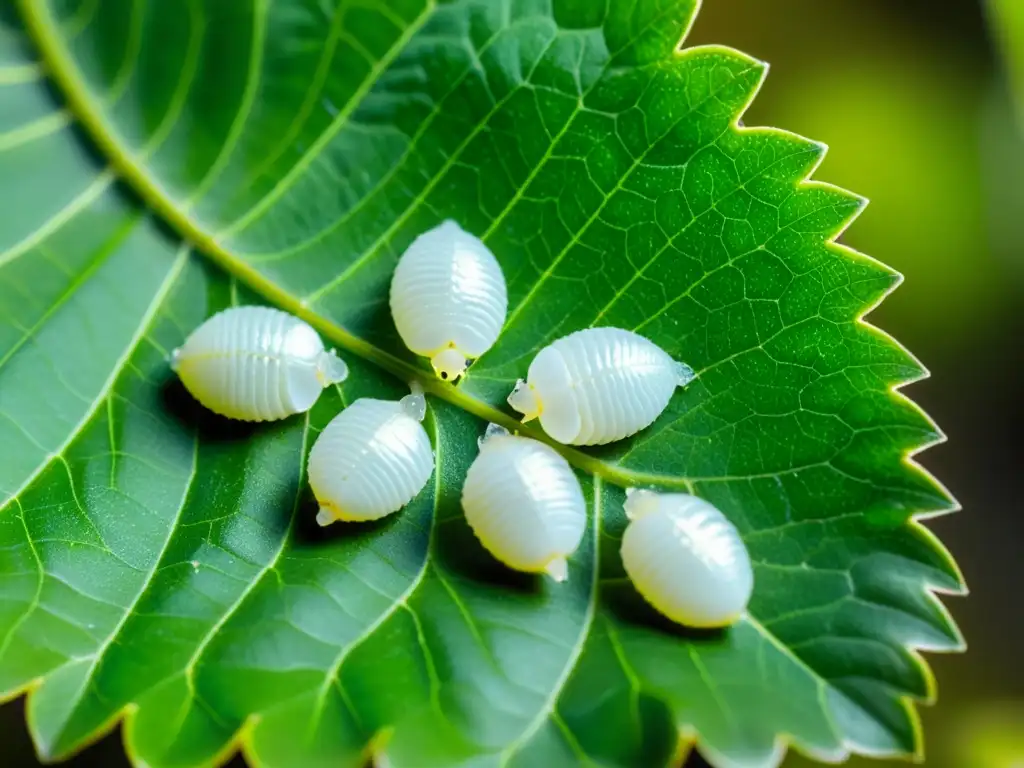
(413, 206)
(550, 703)
(637, 162)
(333, 673)
(169, 280)
(33, 603)
(244, 106)
(289, 179)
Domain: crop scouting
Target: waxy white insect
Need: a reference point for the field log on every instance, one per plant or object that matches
(686, 559)
(524, 503)
(598, 385)
(256, 364)
(448, 298)
(371, 459)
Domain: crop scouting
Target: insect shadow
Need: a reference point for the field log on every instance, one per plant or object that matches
(210, 427)
(307, 532)
(621, 598)
(375, 316)
(459, 552)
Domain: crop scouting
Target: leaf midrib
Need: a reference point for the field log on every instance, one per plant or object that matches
(86, 107)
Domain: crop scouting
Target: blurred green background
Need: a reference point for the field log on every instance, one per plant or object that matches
(913, 97)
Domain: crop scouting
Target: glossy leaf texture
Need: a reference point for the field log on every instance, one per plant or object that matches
(162, 160)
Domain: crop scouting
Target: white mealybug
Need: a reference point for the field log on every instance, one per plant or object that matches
(371, 459)
(448, 298)
(598, 385)
(524, 503)
(256, 364)
(686, 558)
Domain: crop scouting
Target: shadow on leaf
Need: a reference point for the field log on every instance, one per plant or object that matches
(211, 427)
(307, 532)
(458, 551)
(621, 599)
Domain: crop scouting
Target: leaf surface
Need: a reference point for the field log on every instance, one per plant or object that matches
(163, 565)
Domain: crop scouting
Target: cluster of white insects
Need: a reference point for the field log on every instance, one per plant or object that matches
(521, 497)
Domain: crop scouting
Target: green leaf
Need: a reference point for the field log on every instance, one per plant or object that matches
(161, 565)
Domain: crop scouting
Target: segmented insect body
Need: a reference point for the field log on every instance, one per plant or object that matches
(524, 503)
(598, 385)
(256, 364)
(448, 298)
(686, 558)
(371, 459)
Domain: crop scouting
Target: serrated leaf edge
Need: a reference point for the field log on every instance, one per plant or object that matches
(62, 70)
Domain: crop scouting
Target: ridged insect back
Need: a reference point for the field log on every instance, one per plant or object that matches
(688, 561)
(256, 364)
(552, 486)
(446, 291)
(507, 528)
(371, 454)
(234, 363)
(478, 287)
(520, 501)
(255, 340)
(653, 560)
(622, 382)
(710, 536)
(500, 488)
